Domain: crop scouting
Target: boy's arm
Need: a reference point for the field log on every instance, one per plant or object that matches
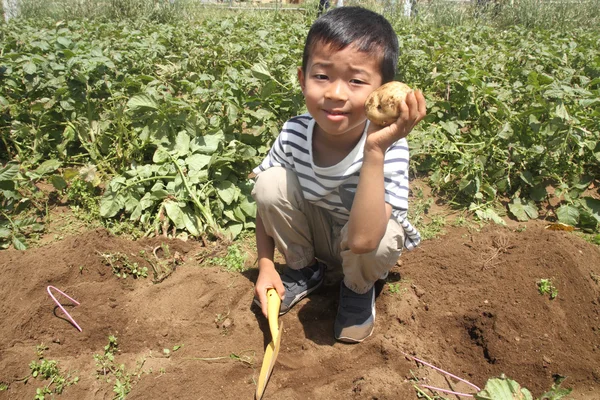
(268, 277)
(370, 213)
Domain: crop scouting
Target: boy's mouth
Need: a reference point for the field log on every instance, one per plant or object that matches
(334, 112)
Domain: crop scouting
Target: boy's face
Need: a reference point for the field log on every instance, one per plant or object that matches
(335, 87)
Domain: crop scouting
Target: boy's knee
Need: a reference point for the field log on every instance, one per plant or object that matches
(274, 186)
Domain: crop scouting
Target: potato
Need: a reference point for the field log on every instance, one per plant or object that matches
(383, 105)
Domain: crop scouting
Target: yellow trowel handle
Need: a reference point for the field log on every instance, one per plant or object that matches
(273, 304)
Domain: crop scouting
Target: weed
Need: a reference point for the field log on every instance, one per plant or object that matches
(122, 267)
(233, 261)
(49, 370)
(595, 278)
(246, 357)
(428, 226)
(39, 350)
(108, 368)
(546, 287)
(395, 288)
(83, 199)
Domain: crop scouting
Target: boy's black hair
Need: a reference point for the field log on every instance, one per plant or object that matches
(368, 31)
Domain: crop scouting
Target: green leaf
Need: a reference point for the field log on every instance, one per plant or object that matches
(197, 162)
(182, 144)
(562, 113)
(261, 72)
(503, 389)
(248, 207)
(9, 172)
(160, 156)
(538, 192)
(227, 191)
(489, 215)
(523, 211)
(19, 242)
(527, 177)
(29, 68)
(233, 230)
(5, 233)
(192, 224)
(58, 182)
(175, 214)
(449, 126)
(207, 144)
(63, 41)
(141, 103)
(111, 204)
(567, 214)
(592, 205)
(588, 221)
(48, 166)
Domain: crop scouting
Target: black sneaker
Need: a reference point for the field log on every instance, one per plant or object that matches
(356, 315)
(298, 284)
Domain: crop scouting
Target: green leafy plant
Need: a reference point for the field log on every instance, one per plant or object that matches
(522, 131)
(19, 204)
(503, 388)
(546, 287)
(396, 288)
(122, 267)
(49, 370)
(108, 369)
(234, 260)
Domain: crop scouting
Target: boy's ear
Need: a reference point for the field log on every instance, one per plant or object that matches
(301, 79)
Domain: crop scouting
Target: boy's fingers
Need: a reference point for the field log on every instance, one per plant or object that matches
(422, 104)
(262, 297)
(280, 290)
(413, 108)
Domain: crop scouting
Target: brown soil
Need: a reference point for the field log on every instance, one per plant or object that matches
(467, 302)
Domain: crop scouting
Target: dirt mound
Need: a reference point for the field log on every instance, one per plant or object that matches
(467, 302)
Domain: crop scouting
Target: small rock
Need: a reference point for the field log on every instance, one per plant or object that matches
(228, 323)
(418, 291)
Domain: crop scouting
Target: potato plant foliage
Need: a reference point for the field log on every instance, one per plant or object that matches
(513, 114)
(174, 117)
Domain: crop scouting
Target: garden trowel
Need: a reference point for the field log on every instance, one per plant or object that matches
(276, 328)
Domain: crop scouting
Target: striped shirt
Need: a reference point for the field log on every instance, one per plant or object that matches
(333, 187)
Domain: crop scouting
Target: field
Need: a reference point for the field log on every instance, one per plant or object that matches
(126, 144)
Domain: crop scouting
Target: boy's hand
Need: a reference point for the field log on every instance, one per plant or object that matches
(268, 278)
(413, 110)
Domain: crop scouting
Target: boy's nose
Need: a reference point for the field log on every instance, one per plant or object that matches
(336, 91)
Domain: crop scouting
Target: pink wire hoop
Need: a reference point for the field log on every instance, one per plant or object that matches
(447, 374)
(60, 305)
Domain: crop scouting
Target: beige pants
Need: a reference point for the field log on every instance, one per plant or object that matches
(303, 231)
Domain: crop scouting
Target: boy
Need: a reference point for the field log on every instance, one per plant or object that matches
(333, 189)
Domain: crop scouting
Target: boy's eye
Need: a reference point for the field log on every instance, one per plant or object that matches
(320, 76)
(357, 81)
